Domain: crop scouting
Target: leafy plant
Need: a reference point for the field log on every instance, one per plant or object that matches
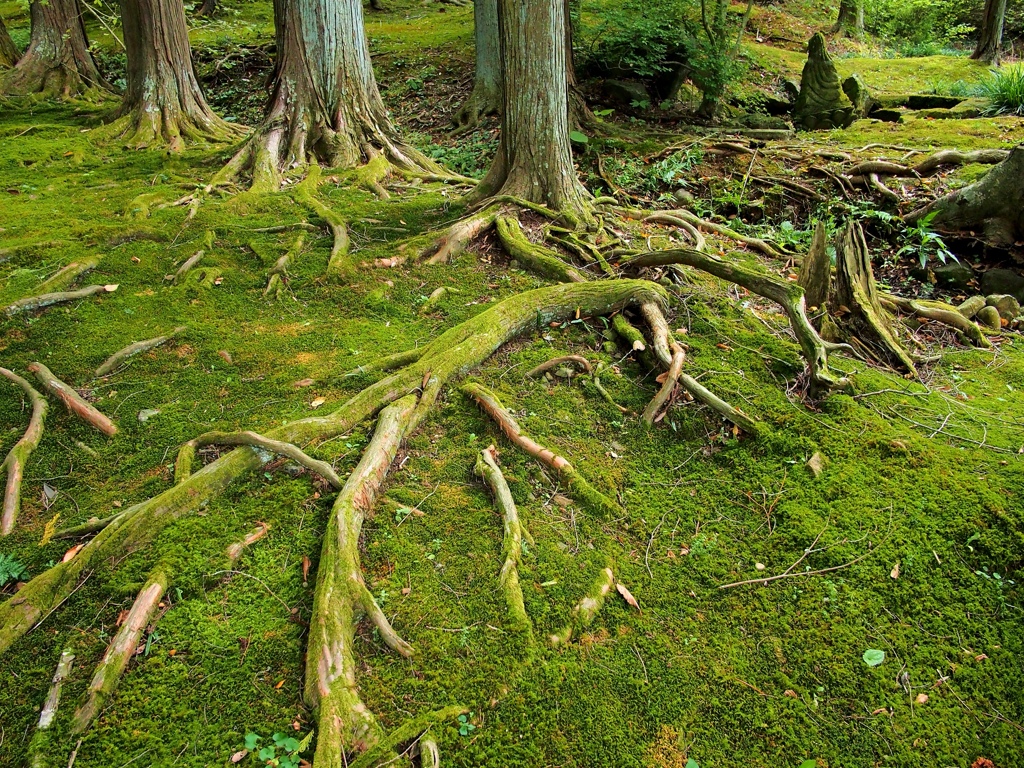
(11, 570)
(466, 727)
(1000, 585)
(873, 657)
(282, 751)
(1005, 91)
(921, 239)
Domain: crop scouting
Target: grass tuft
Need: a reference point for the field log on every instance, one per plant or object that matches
(1005, 91)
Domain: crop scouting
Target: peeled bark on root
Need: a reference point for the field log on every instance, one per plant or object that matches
(993, 205)
(293, 452)
(16, 459)
(235, 550)
(120, 651)
(451, 354)
(346, 727)
(278, 275)
(675, 370)
(72, 400)
(512, 543)
(586, 609)
(589, 496)
(338, 265)
(787, 295)
(535, 258)
(939, 312)
(115, 360)
(67, 276)
(39, 747)
(49, 299)
(856, 301)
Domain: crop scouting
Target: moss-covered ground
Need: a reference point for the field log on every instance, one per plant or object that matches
(919, 496)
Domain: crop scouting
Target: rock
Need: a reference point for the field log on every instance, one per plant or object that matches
(821, 103)
(816, 464)
(626, 92)
(970, 307)
(887, 115)
(760, 122)
(792, 89)
(931, 101)
(857, 92)
(1007, 306)
(759, 566)
(683, 196)
(989, 317)
(953, 274)
(777, 107)
(1000, 281)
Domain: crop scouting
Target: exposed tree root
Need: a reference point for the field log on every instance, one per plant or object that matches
(586, 609)
(93, 525)
(108, 672)
(880, 188)
(672, 375)
(186, 267)
(589, 497)
(676, 216)
(278, 275)
(554, 362)
(338, 265)
(49, 299)
(138, 347)
(293, 452)
(67, 276)
(389, 363)
(939, 312)
(39, 747)
(72, 400)
(536, 258)
(16, 459)
(382, 754)
(930, 164)
(459, 235)
(430, 755)
(660, 217)
(512, 544)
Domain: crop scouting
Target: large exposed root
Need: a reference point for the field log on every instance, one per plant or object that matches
(39, 747)
(586, 609)
(683, 217)
(48, 299)
(535, 258)
(459, 235)
(67, 276)
(589, 496)
(115, 360)
(346, 725)
(450, 354)
(293, 452)
(938, 312)
(16, 459)
(512, 543)
(72, 400)
(338, 265)
(278, 276)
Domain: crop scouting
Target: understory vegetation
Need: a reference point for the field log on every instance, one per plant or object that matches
(825, 570)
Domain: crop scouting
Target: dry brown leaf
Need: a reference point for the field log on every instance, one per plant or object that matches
(72, 552)
(895, 572)
(305, 570)
(239, 756)
(304, 383)
(317, 402)
(922, 698)
(279, 684)
(627, 595)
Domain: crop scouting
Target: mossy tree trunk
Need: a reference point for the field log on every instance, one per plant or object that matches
(851, 18)
(990, 37)
(534, 161)
(9, 53)
(208, 9)
(58, 62)
(325, 106)
(163, 104)
(486, 96)
(580, 116)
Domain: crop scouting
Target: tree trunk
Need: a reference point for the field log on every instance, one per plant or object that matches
(851, 17)
(57, 62)
(325, 107)
(534, 161)
(580, 116)
(163, 104)
(990, 38)
(9, 53)
(208, 9)
(994, 205)
(486, 96)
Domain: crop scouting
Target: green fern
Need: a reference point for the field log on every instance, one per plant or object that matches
(11, 570)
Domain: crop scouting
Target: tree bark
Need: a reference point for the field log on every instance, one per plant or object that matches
(580, 116)
(9, 53)
(534, 161)
(163, 104)
(990, 37)
(208, 9)
(325, 107)
(851, 17)
(58, 62)
(486, 96)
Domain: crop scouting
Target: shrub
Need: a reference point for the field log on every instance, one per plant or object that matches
(1005, 91)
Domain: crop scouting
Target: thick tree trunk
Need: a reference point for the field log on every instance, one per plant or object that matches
(208, 9)
(580, 116)
(9, 53)
(325, 107)
(534, 161)
(486, 96)
(58, 61)
(851, 17)
(990, 37)
(163, 104)
(994, 205)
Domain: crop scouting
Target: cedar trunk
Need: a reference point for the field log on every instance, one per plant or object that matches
(163, 104)
(534, 161)
(325, 107)
(851, 17)
(9, 53)
(990, 38)
(486, 96)
(58, 61)
(207, 9)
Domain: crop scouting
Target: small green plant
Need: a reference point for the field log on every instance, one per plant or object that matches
(466, 727)
(11, 570)
(921, 239)
(1000, 585)
(282, 751)
(1005, 91)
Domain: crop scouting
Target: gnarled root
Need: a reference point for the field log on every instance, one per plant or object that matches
(589, 496)
(459, 235)
(67, 276)
(72, 400)
(338, 265)
(293, 452)
(278, 275)
(535, 258)
(112, 362)
(39, 747)
(512, 544)
(16, 459)
(346, 725)
(48, 299)
(554, 362)
(681, 217)
(586, 609)
(939, 312)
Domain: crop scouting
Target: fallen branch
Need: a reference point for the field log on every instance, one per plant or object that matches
(293, 452)
(16, 459)
(39, 748)
(72, 400)
(554, 362)
(790, 573)
(49, 299)
(131, 350)
(586, 609)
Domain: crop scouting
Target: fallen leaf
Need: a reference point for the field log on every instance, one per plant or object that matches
(562, 501)
(980, 657)
(304, 383)
(880, 711)
(791, 693)
(922, 698)
(317, 403)
(279, 684)
(406, 590)
(226, 356)
(816, 463)
(72, 552)
(895, 572)
(111, 288)
(239, 756)
(626, 595)
(305, 570)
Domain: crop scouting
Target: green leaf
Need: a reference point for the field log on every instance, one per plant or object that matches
(873, 657)
(578, 138)
(251, 740)
(267, 753)
(809, 764)
(691, 763)
(291, 745)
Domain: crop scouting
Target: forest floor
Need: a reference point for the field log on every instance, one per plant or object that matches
(918, 494)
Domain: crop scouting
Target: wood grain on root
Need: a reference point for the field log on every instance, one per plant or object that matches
(72, 400)
(115, 360)
(17, 457)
